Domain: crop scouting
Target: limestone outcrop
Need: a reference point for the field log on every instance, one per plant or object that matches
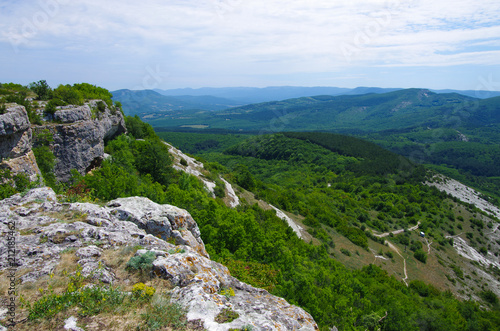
(16, 142)
(78, 133)
(45, 228)
(79, 140)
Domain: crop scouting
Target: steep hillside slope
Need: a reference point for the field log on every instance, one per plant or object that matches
(350, 193)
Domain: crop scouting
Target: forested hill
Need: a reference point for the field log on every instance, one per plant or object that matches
(331, 185)
(150, 104)
(457, 134)
(369, 112)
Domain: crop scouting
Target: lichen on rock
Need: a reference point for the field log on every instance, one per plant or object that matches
(45, 228)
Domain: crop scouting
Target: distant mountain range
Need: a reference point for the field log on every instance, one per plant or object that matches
(249, 95)
(347, 113)
(148, 103)
(154, 104)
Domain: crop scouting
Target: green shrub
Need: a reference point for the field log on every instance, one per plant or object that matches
(142, 291)
(46, 161)
(415, 245)
(90, 300)
(227, 292)
(6, 187)
(420, 255)
(243, 328)
(423, 289)
(68, 94)
(254, 273)
(42, 89)
(143, 262)
(489, 296)
(50, 107)
(345, 252)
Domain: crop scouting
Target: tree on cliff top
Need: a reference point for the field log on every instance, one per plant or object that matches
(42, 89)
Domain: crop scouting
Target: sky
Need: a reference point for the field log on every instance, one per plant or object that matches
(147, 44)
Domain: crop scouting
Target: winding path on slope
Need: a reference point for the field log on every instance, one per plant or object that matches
(428, 245)
(394, 248)
(382, 235)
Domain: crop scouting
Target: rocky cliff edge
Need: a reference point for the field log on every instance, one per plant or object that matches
(45, 228)
(78, 134)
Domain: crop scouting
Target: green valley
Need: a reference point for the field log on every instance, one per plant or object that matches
(456, 134)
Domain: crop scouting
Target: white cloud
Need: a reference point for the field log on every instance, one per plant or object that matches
(255, 37)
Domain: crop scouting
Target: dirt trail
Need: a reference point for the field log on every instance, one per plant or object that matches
(394, 248)
(428, 245)
(377, 256)
(382, 235)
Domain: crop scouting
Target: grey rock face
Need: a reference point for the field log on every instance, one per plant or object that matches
(16, 143)
(15, 132)
(199, 283)
(24, 164)
(164, 221)
(79, 143)
(14, 120)
(43, 230)
(73, 114)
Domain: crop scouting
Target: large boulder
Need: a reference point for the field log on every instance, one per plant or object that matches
(206, 288)
(14, 120)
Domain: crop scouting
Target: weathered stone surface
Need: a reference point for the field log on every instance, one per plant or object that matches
(89, 252)
(14, 120)
(73, 114)
(43, 231)
(16, 143)
(164, 221)
(199, 282)
(15, 132)
(24, 164)
(80, 144)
